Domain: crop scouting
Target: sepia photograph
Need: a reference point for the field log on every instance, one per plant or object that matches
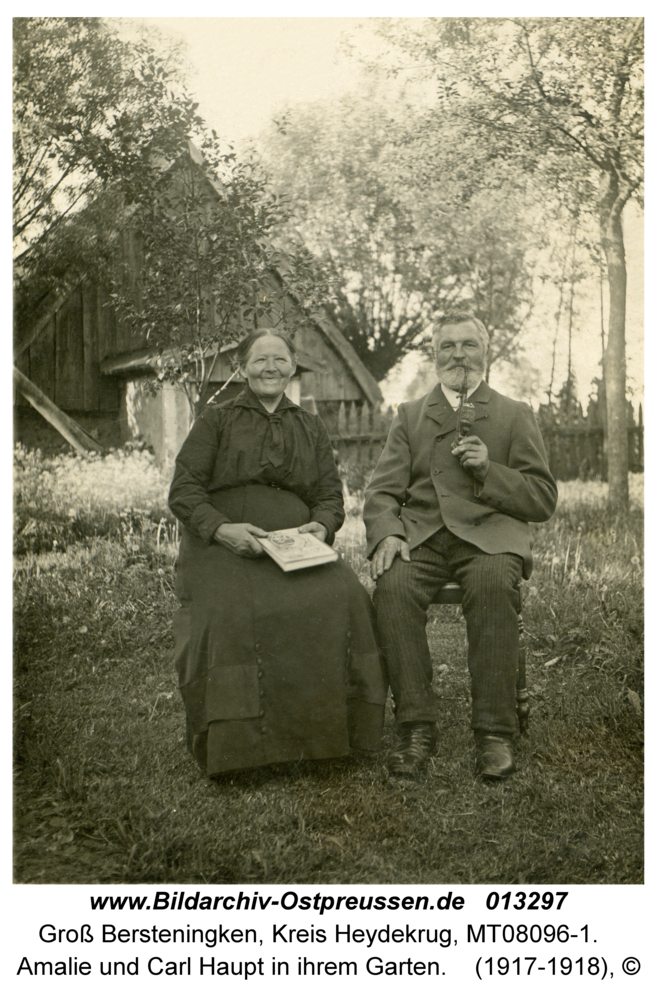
(328, 452)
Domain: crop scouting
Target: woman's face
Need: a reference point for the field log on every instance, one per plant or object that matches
(269, 367)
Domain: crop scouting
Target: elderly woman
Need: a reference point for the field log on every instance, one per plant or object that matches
(273, 666)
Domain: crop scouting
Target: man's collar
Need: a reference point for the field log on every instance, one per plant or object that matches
(437, 397)
(439, 408)
(454, 398)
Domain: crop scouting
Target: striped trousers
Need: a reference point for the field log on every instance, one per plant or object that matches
(490, 607)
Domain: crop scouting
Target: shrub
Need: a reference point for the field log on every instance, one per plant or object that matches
(69, 498)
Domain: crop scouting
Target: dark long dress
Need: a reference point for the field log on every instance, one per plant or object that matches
(273, 666)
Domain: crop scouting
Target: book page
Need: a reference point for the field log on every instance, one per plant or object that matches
(290, 545)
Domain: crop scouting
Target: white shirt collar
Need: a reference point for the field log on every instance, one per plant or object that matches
(454, 398)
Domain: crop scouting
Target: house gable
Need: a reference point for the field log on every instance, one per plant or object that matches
(78, 354)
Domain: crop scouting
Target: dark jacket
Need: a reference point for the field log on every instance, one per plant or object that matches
(418, 485)
(239, 444)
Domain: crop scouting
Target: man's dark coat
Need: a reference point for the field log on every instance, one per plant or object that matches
(418, 485)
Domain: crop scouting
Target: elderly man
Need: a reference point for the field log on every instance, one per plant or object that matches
(438, 508)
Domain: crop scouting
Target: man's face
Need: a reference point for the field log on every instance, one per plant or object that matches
(459, 351)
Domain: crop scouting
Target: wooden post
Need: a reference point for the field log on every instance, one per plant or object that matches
(42, 360)
(365, 418)
(68, 428)
(352, 419)
(69, 353)
(90, 340)
(342, 419)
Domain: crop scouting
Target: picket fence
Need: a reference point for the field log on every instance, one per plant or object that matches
(359, 431)
(578, 453)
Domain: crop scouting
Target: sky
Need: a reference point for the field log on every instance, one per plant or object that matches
(243, 71)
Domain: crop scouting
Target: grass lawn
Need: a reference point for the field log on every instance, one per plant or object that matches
(105, 791)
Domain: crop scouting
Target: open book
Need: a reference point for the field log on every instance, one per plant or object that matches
(292, 550)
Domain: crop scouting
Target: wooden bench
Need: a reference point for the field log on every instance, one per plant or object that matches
(451, 593)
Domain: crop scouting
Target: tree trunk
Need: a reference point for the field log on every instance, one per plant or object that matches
(612, 203)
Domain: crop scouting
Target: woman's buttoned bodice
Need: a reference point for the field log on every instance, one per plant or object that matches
(239, 444)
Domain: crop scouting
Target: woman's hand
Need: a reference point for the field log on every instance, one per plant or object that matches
(242, 539)
(316, 529)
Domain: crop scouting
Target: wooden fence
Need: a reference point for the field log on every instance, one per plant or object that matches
(579, 453)
(358, 433)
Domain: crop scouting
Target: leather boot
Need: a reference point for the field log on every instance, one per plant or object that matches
(494, 756)
(416, 744)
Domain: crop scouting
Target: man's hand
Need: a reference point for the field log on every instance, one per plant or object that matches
(385, 553)
(472, 453)
(315, 528)
(242, 539)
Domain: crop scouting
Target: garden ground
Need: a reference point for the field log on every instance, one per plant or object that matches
(105, 791)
